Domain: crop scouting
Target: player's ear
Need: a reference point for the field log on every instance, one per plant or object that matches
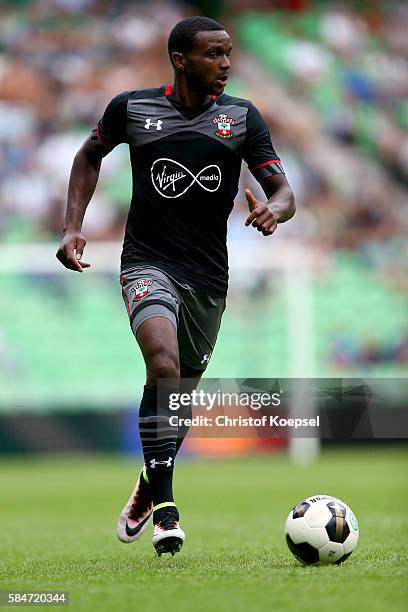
(178, 61)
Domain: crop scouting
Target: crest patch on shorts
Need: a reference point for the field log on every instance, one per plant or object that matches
(141, 289)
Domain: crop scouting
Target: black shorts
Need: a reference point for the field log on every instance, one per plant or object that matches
(196, 316)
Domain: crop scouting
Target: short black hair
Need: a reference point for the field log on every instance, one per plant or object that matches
(182, 35)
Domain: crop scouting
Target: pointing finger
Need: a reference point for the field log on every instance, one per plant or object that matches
(252, 203)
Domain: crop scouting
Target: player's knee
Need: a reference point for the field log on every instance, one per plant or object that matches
(163, 364)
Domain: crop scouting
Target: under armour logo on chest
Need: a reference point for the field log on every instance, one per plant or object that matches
(157, 124)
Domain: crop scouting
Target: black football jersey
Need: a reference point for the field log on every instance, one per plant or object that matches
(185, 167)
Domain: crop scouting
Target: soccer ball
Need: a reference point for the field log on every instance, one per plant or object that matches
(321, 529)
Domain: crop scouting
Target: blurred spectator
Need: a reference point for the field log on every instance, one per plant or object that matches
(353, 352)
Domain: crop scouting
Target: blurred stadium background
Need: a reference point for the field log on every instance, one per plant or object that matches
(326, 297)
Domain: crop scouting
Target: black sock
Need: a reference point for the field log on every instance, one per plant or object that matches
(185, 413)
(181, 435)
(159, 445)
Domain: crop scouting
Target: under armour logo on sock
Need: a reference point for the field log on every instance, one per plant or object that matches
(157, 124)
(167, 463)
(206, 358)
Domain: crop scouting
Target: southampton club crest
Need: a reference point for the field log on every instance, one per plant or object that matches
(224, 125)
(141, 289)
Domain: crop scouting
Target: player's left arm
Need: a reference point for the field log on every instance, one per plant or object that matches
(266, 167)
(279, 208)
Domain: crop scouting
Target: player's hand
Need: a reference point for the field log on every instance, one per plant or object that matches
(70, 251)
(260, 215)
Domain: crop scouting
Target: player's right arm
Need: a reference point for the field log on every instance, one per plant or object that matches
(82, 183)
(110, 131)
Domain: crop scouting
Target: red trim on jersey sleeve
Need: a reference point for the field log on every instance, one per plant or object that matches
(98, 135)
(271, 161)
(169, 90)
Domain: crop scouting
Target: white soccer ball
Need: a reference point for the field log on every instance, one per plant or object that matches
(321, 529)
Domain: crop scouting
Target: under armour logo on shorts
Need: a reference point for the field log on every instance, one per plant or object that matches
(157, 124)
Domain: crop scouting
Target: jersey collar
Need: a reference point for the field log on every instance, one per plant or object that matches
(169, 91)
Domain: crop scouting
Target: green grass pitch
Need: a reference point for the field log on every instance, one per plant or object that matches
(58, 521)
